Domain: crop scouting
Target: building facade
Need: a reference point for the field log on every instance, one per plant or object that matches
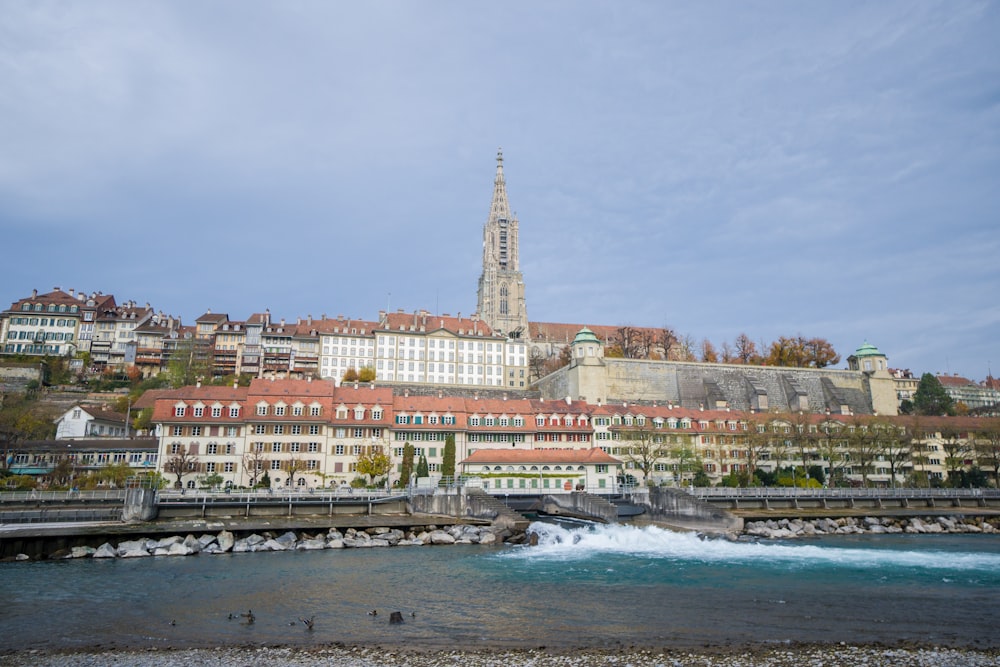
(311, 433)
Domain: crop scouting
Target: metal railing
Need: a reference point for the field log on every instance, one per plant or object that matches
(793, 492)
(98, 495)
(295, 496)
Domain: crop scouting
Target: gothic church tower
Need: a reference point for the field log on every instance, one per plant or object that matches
(500, 301)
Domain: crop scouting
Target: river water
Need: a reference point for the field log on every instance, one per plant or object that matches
(582, 586)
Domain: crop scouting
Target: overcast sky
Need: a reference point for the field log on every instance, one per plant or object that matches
(828, 169)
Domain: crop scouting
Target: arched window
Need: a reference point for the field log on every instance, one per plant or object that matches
(503, 299)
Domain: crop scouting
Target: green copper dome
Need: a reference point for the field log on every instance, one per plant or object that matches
(585, 335)
(868, 350)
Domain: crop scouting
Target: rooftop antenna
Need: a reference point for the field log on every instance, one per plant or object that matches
(388, 298)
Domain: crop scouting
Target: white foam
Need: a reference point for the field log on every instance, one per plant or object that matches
(559, 542)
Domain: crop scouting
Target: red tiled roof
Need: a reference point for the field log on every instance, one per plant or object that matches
(460, 326)
(290, 388)
(150, 396)
(954, 381)
(57, 297)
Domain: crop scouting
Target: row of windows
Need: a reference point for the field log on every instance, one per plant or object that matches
(44, 322)
(280, 429)
(286, 447)
(18, 348)
(197, 431)
(52, 308)
(417, 436)
(39, 335)
(421, 419)
(199, 411)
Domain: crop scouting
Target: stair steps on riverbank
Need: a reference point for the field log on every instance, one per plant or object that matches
(494, 504)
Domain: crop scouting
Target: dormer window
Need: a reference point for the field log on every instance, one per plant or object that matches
(234, 411)
(359, 412)
(279, 410)
(376, 414)
(314, 411)
(216, 411)
(199, 411)
(261, 410)
(297, 411)
(179, 410)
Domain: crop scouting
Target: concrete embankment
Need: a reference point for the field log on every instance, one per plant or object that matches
(676, 509)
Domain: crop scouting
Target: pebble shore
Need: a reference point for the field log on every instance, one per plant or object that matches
(840, 655)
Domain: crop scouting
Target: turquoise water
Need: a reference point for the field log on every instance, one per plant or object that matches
(582, 586)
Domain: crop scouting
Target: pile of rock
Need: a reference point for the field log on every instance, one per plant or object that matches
(791, 528)
(226, 542)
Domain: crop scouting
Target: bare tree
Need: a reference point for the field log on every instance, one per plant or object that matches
(832, 448)
(665, 340)
(745, 349)
(686, 347)
(897, 451)
(644, 448)
(956, 451)
(865, 444)
(181, 463)
(292, 466)
(536, 364)
(987, 445)
(254, 463)
(756, 441)
(727, 354)
(633, 343)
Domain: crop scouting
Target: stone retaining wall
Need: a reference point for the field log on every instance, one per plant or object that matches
(795, 528)
(227, 542)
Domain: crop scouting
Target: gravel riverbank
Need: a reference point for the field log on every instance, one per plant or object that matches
(340, 656)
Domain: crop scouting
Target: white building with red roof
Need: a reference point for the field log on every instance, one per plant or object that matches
(512, 471)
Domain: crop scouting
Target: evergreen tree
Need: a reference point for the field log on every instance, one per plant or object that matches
(406, 471)
(931, 399)
(422, 468)
(448, 456)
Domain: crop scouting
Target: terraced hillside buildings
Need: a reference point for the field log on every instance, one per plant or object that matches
(497, 347)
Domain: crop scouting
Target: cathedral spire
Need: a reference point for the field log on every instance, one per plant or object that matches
(500, 300)
(499, 210)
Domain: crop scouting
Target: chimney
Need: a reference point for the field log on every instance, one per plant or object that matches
(569, 400)
(198, 384)
(236, 384)
(71, 291)
(34, 293)
(309, 378)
